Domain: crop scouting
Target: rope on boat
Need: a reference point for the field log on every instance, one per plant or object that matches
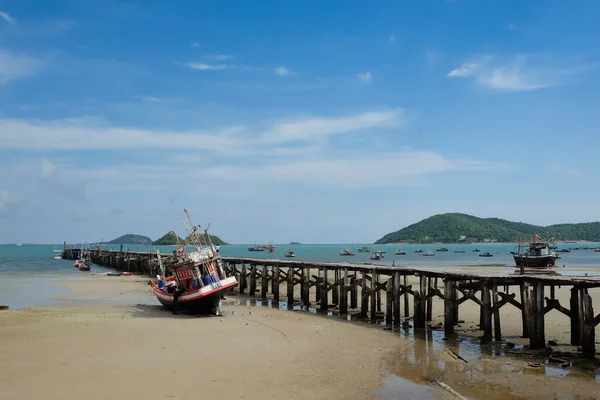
(107, 297)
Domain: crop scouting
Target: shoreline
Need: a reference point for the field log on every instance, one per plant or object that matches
(108, 310)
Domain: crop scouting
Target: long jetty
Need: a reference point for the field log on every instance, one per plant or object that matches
(359, 288)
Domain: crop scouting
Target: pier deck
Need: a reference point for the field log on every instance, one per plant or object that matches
(361, 288)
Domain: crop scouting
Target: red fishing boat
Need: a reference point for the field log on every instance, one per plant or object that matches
(195, 282)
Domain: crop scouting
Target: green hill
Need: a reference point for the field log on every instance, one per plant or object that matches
(449, 228)
(132, 239)
(217, 240)
(168, 239)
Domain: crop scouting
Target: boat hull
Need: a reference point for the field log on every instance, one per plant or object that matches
(201, 301)
(534, 261)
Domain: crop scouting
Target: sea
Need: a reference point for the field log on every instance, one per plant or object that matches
(28, 272)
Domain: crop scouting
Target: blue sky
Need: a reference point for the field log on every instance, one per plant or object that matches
(321, 122)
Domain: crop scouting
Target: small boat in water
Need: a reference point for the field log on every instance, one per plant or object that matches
(400, 253)
(459, 251)
(597, 249)
(487, 254)
(442, 249)
(364, 249)
(256, 248)
(196, 280)
(290, 253)
(476, 250)
(428, 254)
(376, 255)
(418, 250)
(346, 252)
(86, 265)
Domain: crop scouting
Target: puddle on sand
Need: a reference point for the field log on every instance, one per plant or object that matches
(412, 371)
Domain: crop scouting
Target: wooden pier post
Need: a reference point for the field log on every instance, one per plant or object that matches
(324, 290)
(389, 301)
(588, 340)
(335, 289)
(252, 280)
(496, 312)
(536, 318)
(448, 307)
(243, 282)
(374, 280)
(397, 298)
(574, 305)
(305, 286)
(428, 316)
(406, 300)
(525, 309)
(275, 283)
(290, 288)
(364, 295)
(354, 291)
(344, 294)
(487, 313)
(420, 303)
(264, 287)
(318, 285)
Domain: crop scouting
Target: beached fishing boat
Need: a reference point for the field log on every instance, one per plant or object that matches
(194, 282)
(538, 255)
(290, 253)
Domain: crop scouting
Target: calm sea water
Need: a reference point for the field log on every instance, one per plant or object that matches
(27, 272)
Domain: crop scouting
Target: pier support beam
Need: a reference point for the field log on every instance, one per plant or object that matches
(354, 291)
(305, 286)
(496, 312)
(324, 291)
(487, 314)
(374, 280)
(449, 304)
(252, 280)
(344, 294)
(264, 287)
(389, 301)
(364, 295)
(397, 298)
(588, 340)
(275, 283)
(574, 305)
(335, 289)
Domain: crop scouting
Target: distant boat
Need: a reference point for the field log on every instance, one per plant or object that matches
(476, 250)
(290, 253)
(486, 255)
(563, 251)
(442, 249)
(57, 257)
(364, 249)
(18, 244)
(418, 250)
(255, 248)
(597, 249)
(400, 253)
(459, 251)
(346, 252)
(428, 254)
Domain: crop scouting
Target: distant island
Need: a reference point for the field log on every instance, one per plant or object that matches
(295, 243)
(130, 238)
(169, 239)
(459, 228)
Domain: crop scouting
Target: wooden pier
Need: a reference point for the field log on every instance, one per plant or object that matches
(385, 294)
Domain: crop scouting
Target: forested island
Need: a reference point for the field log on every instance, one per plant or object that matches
(169, 239)
(457, 228)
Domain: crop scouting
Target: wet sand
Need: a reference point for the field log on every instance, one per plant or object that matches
(87, 348)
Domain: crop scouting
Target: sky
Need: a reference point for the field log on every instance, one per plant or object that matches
(309, 121)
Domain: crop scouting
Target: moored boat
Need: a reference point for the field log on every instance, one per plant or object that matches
(86, 265)
(197, 280)
(400, 253)
(442, 249)
(487, 254)
(290, 253)
(346, 252)
(428, 254)
(538, 255)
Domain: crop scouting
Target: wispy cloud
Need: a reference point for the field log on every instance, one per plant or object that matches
(282, 71)
(365, 77)
(153, 99)
(16, 66)
(512, 26)
(208, 67)
(520, 73)
(194, 44)
(392, 39)
(5, 16)
(316, 128)
(223, 57)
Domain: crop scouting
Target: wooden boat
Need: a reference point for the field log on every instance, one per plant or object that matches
(418, 250)
(364, 249)
(487, 254)
(400, 253)
(86, 265)
(428, 254)
(538, 255)
(197, 279)
(375, 255)
(256, 248)
(290, 253)
(476, 250)
(346, 252)
(597, 249)
(442, 249)
(459, 251)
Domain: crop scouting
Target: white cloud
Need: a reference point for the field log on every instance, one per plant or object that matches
(15, 66)
(5, 16)
(514, 75)
(366, 77)
(194, 44)
(512, 26)
(392, 39)
(153, 99)
(316, 128)
(282, 71)
(222, 57)
(207, 67)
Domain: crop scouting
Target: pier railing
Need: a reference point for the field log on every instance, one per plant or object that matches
(360, 290)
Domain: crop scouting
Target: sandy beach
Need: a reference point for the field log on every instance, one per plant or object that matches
(111, 340)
